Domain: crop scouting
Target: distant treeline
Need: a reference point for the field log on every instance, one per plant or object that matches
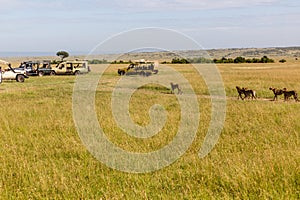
(239, 59)
(103, 61)
(95, 61)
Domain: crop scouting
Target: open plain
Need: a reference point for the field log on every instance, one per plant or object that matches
(257, 155)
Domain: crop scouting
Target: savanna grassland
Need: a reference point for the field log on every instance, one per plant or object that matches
(257, 155)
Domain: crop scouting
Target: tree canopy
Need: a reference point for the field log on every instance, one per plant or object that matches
(62, 54)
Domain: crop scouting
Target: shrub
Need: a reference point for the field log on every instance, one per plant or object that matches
(282, 60)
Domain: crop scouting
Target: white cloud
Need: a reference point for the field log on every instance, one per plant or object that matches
(187, 4)
(133, 5)
(7, 4)
(36, 4)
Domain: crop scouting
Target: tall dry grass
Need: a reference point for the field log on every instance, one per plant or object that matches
(256, 157)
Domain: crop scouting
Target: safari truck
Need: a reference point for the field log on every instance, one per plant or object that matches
(8, 73)
(34, 68)
(142, 68)
(71, 67)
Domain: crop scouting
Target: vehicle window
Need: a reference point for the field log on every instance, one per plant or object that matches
(35, 65)
(61, 66)
(45, 65)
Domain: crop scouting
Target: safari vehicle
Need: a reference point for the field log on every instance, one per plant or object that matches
(33, 68)
(71, 67)
(8, 73)
(141, 68)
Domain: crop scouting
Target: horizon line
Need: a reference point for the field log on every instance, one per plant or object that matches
(82, 53)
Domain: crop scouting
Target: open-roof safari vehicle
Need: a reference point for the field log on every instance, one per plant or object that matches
(33, 68)
(8, 73)
(72, 67)
(142, 68)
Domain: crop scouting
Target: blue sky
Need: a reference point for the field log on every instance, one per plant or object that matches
(79, 25)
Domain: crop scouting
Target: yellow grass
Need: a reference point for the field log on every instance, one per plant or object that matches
(256, 157)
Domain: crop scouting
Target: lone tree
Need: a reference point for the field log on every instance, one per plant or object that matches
(62, 54)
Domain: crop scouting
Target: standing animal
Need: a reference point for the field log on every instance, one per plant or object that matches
(287, 94)
(240, 91)
(176, 86)
(248, 93)
(276, 92)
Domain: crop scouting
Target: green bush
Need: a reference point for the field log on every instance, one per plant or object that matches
(282, 60)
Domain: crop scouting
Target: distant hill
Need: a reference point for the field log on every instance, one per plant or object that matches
(256, 52)
(272, 52)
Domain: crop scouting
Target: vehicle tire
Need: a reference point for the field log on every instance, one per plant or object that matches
(52, 73)
(20, 78)
(77, 73)
(121, 72)
(142, 73)
(41, 73)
